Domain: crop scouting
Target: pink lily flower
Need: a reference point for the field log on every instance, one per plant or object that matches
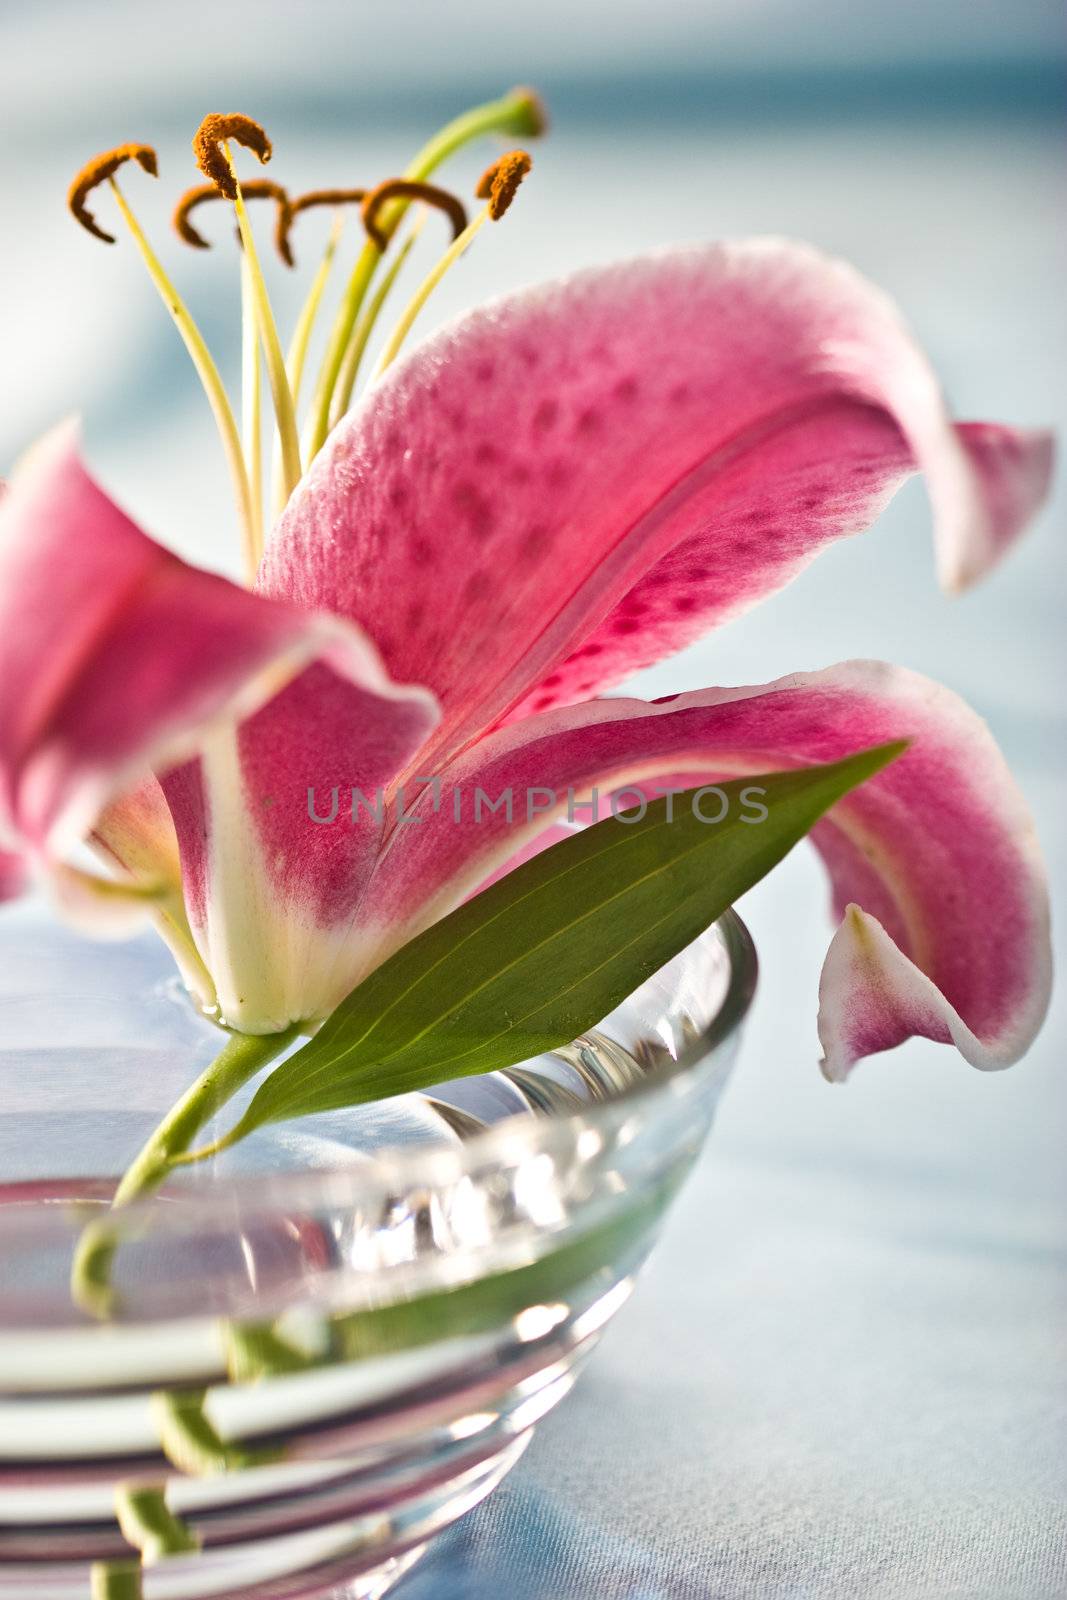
(554, 492)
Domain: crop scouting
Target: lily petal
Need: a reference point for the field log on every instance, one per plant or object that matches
(13, 874)
(939, 850)
(641, 452)
(136, 833)
(272, 885)
(115, 656)
(824, 478)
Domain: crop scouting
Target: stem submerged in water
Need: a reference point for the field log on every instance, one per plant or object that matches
(240, 1059)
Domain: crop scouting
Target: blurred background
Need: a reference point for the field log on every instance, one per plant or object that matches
(859, 1390)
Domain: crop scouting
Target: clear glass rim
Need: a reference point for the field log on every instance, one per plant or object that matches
(401, 1166)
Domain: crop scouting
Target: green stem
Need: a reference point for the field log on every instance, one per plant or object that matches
(115, 1580)
(519, 113)
(240, 1059)
(149, 1525)
(189, 1440)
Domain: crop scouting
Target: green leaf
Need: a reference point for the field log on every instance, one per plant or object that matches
(551, 948)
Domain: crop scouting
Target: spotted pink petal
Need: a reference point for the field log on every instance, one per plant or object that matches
(578, 478)
(664, 610)
(115, 656)
(938, 850)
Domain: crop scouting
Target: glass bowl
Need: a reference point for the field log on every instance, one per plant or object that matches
(335, 1339)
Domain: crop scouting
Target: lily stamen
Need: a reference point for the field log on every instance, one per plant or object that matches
(296, 355)
(499, 183)
(97, 171)
(212, 150)
(252, 400)
(256, 189)
(327, 197)
(387, 194)
(520, 114)
(346, 382)
(318, 197)
(100, 169)
(409, 189)
(251, 422)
